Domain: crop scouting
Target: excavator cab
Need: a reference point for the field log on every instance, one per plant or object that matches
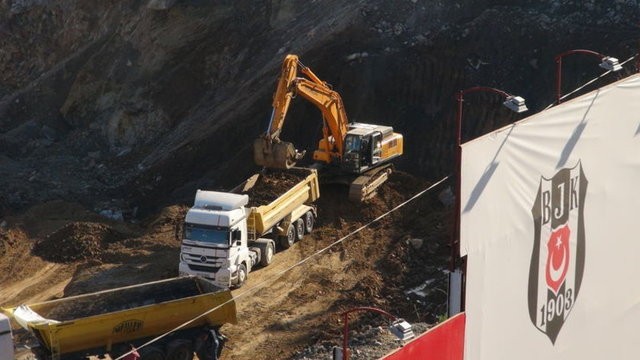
(357, 153)
(366, 146)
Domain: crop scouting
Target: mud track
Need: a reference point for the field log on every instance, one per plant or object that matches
(292, 311)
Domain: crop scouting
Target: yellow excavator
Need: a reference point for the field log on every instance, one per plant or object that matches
(353, 153)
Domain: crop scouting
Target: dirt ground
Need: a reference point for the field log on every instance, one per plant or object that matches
(270, 185)
(61, 249)
(119, 109)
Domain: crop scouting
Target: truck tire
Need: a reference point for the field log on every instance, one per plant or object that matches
(267, 255)
(299, 229)
(242, 275)
(287, 240)
(151, 353)
(309, 220)
(179, 349)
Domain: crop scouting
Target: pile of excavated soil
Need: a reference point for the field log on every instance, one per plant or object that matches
(379, 266)
(76, 241)
(273, 184)
(121, 300)
(376, 267)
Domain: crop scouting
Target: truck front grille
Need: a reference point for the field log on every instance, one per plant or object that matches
(211, 269)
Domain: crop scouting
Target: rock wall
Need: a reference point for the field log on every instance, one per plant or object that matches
(113, 102)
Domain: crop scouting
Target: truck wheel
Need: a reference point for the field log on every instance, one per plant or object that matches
(309, 219)
(151, 353)
(242, 275)
(299, 229)
(267, 257)
(179, 349)
(286, 241)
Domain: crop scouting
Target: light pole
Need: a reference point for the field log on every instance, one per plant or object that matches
(400, 328)
(514, 103)
(607, 63)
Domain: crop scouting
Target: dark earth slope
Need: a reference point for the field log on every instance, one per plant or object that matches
(116, 105)
(110, 107)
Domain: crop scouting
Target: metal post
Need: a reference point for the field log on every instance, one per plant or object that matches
(455, 237)
(345, 337)
(559, 67)
(638, 59)
(456, 225)
(558, 79)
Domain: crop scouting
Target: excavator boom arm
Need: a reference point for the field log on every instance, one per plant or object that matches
(283, 95)
(269, 151)
(313, 89)
(330, 104)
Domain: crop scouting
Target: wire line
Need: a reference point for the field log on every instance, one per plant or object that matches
(590, 82)
(282, 272)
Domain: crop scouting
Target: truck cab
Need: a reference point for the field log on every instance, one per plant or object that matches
(214, 243)
(6, 338)
(223, 238)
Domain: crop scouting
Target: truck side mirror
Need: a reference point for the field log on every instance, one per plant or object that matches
(236, 235)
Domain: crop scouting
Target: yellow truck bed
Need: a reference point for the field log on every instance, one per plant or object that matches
(264, 217)
(101, 319)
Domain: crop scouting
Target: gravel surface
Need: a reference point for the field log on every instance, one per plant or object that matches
(365, 344)
(77, 241)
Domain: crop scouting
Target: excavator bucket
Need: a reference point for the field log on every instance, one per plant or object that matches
(275, 155)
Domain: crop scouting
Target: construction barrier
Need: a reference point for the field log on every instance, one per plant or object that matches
(549, 219)
(443, 342)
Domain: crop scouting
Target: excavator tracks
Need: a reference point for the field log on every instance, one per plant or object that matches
(366, 185)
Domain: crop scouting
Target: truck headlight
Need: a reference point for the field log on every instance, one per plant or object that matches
(223, 275)
(224, 263)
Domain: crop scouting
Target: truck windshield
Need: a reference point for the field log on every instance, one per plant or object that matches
(206, 234)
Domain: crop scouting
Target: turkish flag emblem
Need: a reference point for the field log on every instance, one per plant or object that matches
(558, 256)
(558, 253)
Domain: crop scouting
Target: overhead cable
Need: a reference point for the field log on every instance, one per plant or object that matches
(277, 275)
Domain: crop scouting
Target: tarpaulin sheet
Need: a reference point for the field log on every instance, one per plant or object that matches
(549, 225)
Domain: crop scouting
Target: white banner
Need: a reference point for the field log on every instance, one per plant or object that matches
(548, 222)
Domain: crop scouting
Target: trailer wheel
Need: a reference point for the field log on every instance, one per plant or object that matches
(309, 219)
(287, 240)
(299, 229)
(267, 257)
(242, 275)
(179, 349)
(151, 353)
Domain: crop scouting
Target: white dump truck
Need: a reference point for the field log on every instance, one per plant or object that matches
(226, 234)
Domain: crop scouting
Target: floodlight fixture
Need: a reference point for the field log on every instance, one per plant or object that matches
(516, 104)
(512, 102)
(606, 62)
(401, 329)
(610, 63)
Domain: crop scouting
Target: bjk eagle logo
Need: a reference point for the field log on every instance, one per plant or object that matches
(557, 259)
